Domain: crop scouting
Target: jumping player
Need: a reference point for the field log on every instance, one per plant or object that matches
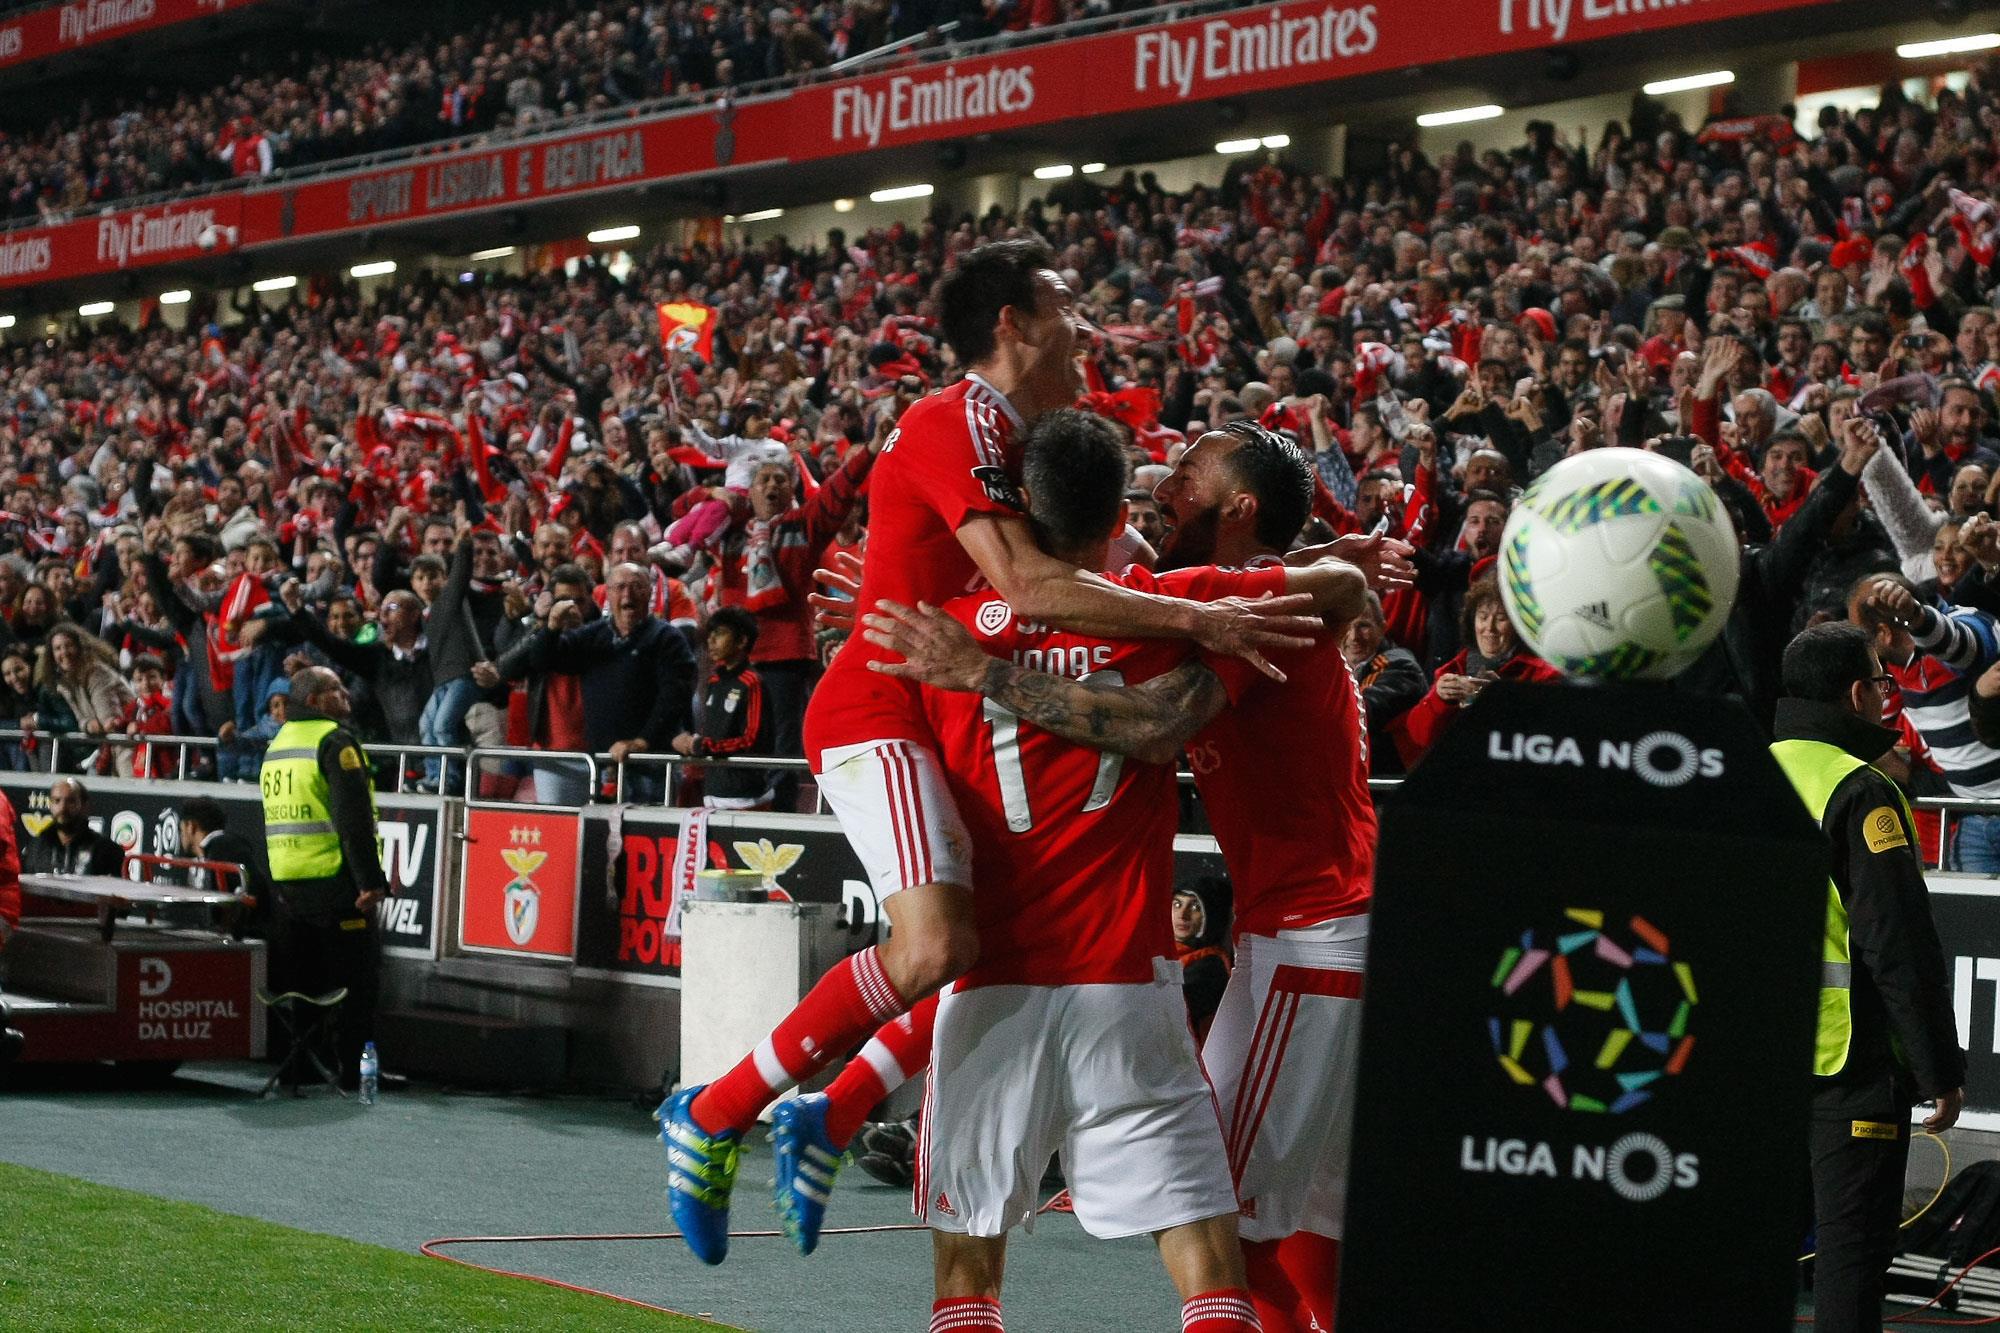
(1069, 1032)
(1284, 774)
(946, 513)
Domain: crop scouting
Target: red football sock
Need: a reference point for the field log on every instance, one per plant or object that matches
(958, 1314)
(1312, 1262)
(1227, 1310)
(1278, 1302)
(853, 998)
(897, 1053)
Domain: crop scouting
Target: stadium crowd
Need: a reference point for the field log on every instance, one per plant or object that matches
(511, 69)
(507, 516)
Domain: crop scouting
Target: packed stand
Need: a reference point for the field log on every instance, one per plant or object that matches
(510, 71)
(500, 513)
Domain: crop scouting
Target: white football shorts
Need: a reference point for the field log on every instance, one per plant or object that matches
(1282, 1053)
(897, 812)
(1105, 1074)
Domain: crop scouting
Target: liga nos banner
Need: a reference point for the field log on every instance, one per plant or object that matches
(1223, 55)
(1587, 1028)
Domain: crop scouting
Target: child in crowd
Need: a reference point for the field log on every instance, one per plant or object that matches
(150, 713)
(731, 718)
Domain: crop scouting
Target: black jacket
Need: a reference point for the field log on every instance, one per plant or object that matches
(91, 854)
(1904, 1048)
(732, 722)
(398, 687)
(235, 849)
(1391, 683)
(636, 688)
(1743, 661)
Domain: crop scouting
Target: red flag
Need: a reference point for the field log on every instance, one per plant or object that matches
(687, 327)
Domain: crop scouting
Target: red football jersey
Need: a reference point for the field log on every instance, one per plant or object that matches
(1284, 775)
(954, 456)
(1072, 849)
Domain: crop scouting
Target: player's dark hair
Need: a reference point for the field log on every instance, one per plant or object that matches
(204, 812)
(1074, 471)
(986, 280)
(1823, 661)
(733, 618)
(1278, 473)
(570, 573)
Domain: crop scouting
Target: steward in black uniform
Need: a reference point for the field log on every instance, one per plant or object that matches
(326, 867)
(1887, 1039)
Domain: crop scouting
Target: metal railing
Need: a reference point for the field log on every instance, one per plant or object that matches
(609, 780)
(648, 108)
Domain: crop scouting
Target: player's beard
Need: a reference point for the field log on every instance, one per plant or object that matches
(1192, 541)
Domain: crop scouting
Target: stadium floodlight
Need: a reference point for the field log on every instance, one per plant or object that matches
(180, 296)
(1431, 119)
(6, 321)
(274, 284)
(761, 215)
(843, 205)
(95, 308)
(1230, 146)
(899, 192)
(1949, 46)
(605, 235)
(497, 252)
(1059, 171)
(374, 269)
(1277, 141)
(1091, 168)
(1687, 83)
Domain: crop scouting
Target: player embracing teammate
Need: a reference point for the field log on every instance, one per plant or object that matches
(1284, 774)
(946, 517)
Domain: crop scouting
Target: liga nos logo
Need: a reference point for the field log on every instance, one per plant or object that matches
(1595, 1015)
(1659, 758)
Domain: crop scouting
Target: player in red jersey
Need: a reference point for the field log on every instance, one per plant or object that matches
(946, 515)
(1069, 1032)
(1284, 773)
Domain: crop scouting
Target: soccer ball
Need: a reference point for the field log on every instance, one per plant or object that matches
(1618, 563)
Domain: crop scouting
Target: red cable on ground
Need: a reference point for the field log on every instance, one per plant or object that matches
(1944, 1291)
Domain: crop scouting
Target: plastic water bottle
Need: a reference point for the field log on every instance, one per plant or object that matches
(371, 1074)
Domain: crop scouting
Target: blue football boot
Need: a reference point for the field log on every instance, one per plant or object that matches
(807, 1162)
(701, 1171)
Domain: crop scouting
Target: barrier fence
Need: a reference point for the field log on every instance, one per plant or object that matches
(591, 890)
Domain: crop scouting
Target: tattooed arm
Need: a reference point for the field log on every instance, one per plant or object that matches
(1149, 722)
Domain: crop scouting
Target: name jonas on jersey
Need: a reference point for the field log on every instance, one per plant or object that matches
(1076, 660)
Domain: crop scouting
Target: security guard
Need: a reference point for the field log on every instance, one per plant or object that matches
(326, 866)
(1887, 1039)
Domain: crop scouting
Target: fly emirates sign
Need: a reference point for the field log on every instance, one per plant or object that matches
(1115, 72)
(1244, 46)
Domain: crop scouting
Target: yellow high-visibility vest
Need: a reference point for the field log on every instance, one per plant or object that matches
(298, 816)
(1815, 769)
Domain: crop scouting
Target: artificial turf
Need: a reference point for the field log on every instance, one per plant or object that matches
(74, 1255)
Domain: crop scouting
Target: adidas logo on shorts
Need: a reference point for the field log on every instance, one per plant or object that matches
(943, 1205)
